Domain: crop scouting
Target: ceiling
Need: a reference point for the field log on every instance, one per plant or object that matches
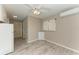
(25, 10)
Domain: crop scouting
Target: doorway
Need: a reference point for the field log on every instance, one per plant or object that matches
(18, 34)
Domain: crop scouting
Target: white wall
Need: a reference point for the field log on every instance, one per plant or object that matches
(67, 32)
(31, 28)
(3, 15)
(25, 23)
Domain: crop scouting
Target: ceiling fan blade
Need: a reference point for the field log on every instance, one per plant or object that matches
(29, 6)
(39, 6)
(48, 9)
(44, 8)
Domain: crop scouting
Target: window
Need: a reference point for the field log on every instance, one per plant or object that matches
(49, 25)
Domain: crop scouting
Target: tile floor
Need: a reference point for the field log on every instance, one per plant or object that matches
(39, 47)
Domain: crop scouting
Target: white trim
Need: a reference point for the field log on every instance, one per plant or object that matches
(31, 41)
(40, 39)
(77, 51)
(34, 40)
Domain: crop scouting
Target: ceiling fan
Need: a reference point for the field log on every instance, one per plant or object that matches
(35, 8)
(36, 11)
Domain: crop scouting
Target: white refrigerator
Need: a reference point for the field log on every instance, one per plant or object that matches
(6, 38)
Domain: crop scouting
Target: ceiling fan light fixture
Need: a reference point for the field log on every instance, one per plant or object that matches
(36, 12)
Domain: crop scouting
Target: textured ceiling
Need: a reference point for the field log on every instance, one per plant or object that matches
(24, 10)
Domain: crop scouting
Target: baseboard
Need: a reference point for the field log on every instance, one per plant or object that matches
(31, 41)
(77, 51)
(40, 39)
(34, 40)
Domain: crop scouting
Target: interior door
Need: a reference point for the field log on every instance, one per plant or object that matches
(6, 38)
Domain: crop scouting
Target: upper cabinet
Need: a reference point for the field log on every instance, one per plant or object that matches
(3, 15)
